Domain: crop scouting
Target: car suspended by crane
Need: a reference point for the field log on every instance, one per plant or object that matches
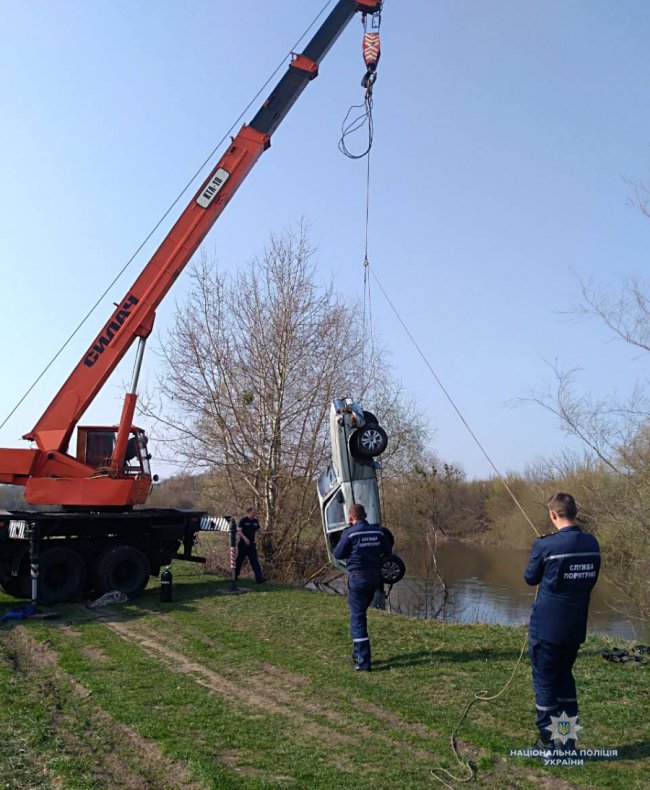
(357, 440)
(96, 537)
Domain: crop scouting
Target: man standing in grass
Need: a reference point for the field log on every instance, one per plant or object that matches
(362, 546)
(247, 530)
(565, 565)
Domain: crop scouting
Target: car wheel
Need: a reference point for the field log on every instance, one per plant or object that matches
(123, 568)
(392, 569)
(370, 418)
(61, 576)
(368, 442)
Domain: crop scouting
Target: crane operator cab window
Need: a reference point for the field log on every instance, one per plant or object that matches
(136, 458)
(98, 447)
(95, 447)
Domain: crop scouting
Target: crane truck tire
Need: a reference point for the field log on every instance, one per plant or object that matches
(61, 576)
(12, 585)
(122, 568)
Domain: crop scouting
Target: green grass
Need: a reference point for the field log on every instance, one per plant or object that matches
(256, 691)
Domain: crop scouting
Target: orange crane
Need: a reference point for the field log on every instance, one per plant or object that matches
(109, 472)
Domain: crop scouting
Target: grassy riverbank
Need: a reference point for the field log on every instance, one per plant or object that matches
(256, 691)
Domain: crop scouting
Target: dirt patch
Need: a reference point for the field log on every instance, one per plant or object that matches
(291, 679)
(115, 754)
(69, 629)
(394, 721)
(94, 654)
(236, 761)
(546, 782)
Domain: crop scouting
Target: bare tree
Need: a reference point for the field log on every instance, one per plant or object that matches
(250, 368)
(605, 426)
(613, 477)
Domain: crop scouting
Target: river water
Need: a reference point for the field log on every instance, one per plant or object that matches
(485, 584)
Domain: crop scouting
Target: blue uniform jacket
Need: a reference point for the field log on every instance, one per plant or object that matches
(249, 527)
(362, 546)
(565, 565)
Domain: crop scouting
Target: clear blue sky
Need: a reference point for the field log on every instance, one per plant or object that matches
(504, 132)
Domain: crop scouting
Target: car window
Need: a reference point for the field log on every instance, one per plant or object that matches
(335, 515)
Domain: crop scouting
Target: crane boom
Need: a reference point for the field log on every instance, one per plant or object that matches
(48, 472)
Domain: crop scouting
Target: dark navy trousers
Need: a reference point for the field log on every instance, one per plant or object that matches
(244, 551)
(553, 683)
(361, 590)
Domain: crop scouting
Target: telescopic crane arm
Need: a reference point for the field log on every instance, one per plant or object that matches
(49, 473)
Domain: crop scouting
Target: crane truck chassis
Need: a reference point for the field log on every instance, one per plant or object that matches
(99, 537)
(99, 552)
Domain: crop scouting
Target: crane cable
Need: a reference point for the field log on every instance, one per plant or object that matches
(164, 216)
(367, 323)
(371, 54)
(357, 123)
(371, 48)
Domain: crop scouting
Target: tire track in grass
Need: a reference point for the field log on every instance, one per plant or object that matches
(259, 692)
(104, 751)
(290, 681)
(287, 696)
(248, 694)
(277, 690)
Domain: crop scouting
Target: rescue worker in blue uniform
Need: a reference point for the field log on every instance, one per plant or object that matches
(363, 546)
(565, 565)
(246, 532)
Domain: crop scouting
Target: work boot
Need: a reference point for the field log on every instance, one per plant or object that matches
(544, 743)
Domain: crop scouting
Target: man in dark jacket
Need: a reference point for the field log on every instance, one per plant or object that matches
(565, 565)
(246, 532)
(363, 546)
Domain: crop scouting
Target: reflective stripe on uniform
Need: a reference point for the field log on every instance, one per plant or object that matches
(541, 707)
(365, 532)
(576, 554)
(567, 699)
(363, 639)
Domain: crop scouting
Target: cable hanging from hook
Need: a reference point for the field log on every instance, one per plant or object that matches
(360, 115)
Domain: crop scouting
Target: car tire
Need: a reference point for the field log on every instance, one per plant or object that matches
(61, 576)
(370, 418)
(392, 569)
(122, 568)
(368, 442)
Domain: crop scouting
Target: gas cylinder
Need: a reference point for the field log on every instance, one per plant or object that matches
(166, 585)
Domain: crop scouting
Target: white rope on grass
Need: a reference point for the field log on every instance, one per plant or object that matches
(114, 596)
